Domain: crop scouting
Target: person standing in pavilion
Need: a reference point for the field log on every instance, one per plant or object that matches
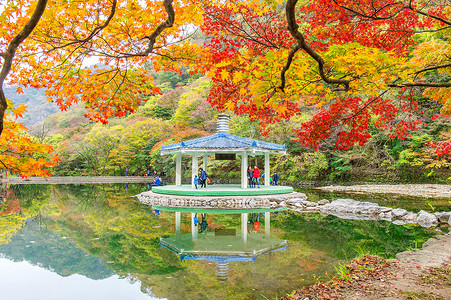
(256, 176)
(250, 177)
(203, 178)
(275, 178)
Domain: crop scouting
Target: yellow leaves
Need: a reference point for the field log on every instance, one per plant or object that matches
(431, 52)
(237, 76)
(368, 69)
(229, 105)
(224, 74)
(442, 95)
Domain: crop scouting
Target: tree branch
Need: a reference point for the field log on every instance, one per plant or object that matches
(11, 51)
(420, 84)
(93, 33)
(365, 106)
(301, 44)
(164, 25)
(433, 68)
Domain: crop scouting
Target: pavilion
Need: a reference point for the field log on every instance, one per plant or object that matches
(224, 146)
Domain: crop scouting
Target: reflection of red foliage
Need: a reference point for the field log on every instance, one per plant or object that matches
(10, 207)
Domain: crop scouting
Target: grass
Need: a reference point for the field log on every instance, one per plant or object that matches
(409, 295)
(437, 276)
(343, 272)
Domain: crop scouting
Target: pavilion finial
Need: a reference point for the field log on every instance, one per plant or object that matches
(222, 123)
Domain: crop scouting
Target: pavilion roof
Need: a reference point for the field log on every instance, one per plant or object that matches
(222, 141)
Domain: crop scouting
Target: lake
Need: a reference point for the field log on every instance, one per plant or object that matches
(96, 241)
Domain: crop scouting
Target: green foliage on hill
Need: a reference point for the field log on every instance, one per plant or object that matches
(182, 113)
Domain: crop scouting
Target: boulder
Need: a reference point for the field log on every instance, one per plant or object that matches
(386, 209)
(368, 208)
(426, 219)
(399, 222)
(399, 212)
(298, 199)
(312, 209)
(309, 203)
(340, 205)
(352, 209)
(386, 216)
(410, 217)
(323, 201)
(443, 217)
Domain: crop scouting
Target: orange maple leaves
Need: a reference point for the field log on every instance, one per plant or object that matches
(19, 153)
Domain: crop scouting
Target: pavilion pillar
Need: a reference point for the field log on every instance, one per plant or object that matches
(204, 165)
(244, 170)
(267, 170)
(267, 224)
(244, 218)
(178, 223)
(193, 227)
(178, 169)
(194, 167)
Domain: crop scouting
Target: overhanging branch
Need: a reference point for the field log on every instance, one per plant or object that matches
(8, 55)
(301, 44)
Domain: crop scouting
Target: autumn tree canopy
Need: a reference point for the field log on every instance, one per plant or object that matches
(360, 63)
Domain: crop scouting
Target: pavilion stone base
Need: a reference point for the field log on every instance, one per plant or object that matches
(225, 202)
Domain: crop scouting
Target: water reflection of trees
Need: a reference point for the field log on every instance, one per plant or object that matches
(104, 222)
(348, 238)
(21, 203)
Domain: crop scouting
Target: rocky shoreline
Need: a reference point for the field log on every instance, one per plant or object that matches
(352, 209)
(342, 208)
(414, 190)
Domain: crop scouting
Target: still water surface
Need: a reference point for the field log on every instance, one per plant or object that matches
(98, 242)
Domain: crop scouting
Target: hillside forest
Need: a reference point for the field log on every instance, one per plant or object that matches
(87, 148)
(356, 90)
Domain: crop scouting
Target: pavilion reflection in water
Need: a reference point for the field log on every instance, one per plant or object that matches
(223, 245)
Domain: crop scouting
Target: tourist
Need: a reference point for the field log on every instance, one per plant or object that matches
(256, 219)
(126, 171)
(196, 181)
(256, 176)
(157, 181)
(203, 177)
(270, 179)
(275, 178)
(203, 224)
(250, 177)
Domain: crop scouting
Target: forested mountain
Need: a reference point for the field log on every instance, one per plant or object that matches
(38, 108)
(182, 112)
